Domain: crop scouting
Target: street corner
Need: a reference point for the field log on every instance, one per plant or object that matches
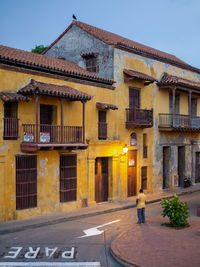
(152, 244)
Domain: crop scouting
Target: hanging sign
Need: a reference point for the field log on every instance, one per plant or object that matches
(44, 137)
(28, 137)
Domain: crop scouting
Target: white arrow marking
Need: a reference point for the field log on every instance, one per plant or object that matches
(94, 231)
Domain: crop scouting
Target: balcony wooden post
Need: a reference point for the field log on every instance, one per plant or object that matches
(190, 104)
(135, 114)
(190, 107)
(173, 106)
(37, 110)
(83, 102)
(61, 119)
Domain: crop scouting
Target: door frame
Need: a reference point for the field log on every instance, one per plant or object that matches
(131, 191)
(101, 179)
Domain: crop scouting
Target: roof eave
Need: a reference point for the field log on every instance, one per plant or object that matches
(153, 56)
(54, 71)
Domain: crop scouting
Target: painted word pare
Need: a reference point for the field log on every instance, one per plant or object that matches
(33, 253)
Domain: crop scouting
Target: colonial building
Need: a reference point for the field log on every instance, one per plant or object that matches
(158, 98)
(45, 163)
(66, 127)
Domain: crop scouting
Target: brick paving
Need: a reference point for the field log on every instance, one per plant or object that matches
(153, 245)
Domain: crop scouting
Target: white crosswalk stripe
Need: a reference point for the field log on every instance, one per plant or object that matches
(52, 264)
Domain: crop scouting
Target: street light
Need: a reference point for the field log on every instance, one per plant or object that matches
(125, 149)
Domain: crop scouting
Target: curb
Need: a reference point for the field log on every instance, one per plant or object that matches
(61, 220)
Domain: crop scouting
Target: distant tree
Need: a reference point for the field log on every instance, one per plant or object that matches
(38, 49)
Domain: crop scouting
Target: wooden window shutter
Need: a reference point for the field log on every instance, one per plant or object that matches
(26, 182)
(144, 177)
(68, 178)
(134, 97)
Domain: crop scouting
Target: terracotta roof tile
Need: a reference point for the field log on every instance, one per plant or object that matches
(10, 96)
(35, 87)
(48, 63)
(121, 42)
(105, 106)
(168, 79)
(139, 75)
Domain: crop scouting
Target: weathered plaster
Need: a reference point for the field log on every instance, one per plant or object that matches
(75, 42)
(3, 147)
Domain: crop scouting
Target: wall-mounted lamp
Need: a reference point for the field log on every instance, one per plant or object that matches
(125, 149)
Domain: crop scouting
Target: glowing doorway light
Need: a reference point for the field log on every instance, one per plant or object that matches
(125, 149)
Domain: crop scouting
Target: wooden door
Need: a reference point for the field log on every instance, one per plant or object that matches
(181, 165)
(132, 172)
(101, 179)
(166, 158)
(46, 119)
(197, 176)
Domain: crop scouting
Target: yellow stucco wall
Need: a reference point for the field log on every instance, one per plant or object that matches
(48, 161)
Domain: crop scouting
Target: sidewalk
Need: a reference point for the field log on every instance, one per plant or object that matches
(102, 208)
(154, 245)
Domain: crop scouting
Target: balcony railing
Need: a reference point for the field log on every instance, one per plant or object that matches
(38, 135)
(178, 123)
(11, 128)
(136, 117)
(102, 130)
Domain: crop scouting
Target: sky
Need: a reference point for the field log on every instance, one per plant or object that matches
(172, 26)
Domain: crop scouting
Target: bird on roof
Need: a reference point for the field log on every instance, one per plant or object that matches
(74, 17)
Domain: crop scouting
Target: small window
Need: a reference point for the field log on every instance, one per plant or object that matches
(144, 177)
(102, 125)
(145, 147)
(91, 63)
(26, 182)
(133, 139)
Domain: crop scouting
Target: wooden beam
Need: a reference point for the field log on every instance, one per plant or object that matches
(128, 79)
(147, 83)
(83, 102)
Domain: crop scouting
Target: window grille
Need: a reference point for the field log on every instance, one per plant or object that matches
(145, 147)
(92, 64)
(68, 178)
(26, 182)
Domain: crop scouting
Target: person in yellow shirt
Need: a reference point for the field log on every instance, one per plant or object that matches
(141, 202)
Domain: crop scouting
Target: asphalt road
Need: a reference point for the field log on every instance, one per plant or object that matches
(80, 243)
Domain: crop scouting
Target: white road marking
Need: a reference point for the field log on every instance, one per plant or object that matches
(94, 231)
(54, 264)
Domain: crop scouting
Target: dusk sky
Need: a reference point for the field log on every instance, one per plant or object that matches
(172, 26)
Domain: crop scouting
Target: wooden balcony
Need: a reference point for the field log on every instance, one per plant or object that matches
(11, 128)
(102, 130)
(139, 118)
(178, 123)
(48, 137)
